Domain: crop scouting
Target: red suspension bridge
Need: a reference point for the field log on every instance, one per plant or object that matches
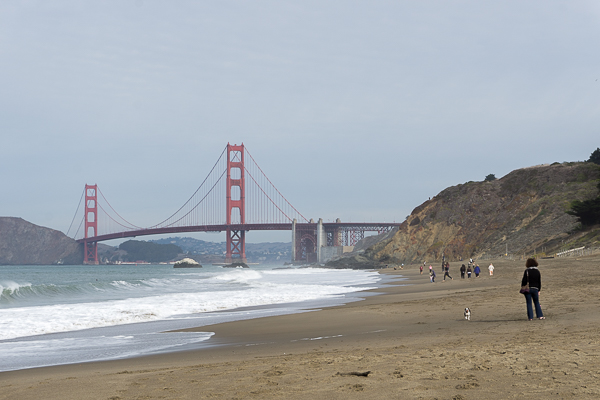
(236, 197)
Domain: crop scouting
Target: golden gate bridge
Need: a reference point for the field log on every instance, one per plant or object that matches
(235, 197)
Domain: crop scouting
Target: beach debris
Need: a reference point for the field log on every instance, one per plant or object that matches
(358, 387)
(354, 373)
(469, 385)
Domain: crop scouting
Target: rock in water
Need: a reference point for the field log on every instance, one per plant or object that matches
(236, 264)
(187, 263)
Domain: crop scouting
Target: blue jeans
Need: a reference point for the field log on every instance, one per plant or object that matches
(534, 296)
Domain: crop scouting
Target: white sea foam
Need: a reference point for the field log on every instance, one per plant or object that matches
(52, 351)
(11, 287)
(174, 296)
(60, 303)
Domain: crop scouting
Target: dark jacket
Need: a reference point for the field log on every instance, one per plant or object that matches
(533, 276)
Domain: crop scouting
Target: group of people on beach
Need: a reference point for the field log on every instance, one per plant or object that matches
(445, 268)
(464, 270)
(473, 268)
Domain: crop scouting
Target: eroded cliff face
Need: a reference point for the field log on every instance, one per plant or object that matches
(522, 212)
(23, 243)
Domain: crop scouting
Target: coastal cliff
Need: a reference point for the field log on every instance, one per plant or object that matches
(23, 243)
(523, 212)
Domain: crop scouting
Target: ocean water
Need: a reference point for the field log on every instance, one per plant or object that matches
(51, 315)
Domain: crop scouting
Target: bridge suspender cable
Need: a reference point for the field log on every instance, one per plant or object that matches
(192, 196)
(193, 208)
(76, 212)
(115, 221)
(271, 200)
(111, 207)
(267, 178)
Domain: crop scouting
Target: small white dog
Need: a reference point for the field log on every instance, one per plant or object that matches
(468, 314)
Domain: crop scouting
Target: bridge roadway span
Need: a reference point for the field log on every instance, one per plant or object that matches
(367, 226)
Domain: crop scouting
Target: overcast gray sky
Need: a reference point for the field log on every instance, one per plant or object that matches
(359, 110)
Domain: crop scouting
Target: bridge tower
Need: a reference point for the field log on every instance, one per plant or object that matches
(90, 253)
(235, 207)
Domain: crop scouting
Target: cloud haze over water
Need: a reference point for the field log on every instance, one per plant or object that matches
(355, 110)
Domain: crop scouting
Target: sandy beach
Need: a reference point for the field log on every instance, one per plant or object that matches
(412, 340)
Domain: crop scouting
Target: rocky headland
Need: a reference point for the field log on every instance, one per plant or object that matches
(524, 212)
(23, 243)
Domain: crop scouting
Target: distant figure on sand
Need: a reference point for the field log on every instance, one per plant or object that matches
(533, 278)
(469, 271)
(447, 271)
(491, 269)
(421, 269)
(432, 275)
(463, 269)
(477, 270)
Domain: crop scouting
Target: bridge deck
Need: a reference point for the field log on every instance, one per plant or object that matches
(367, 226)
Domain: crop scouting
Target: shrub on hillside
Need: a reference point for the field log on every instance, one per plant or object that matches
(595, 157)
(587, 211)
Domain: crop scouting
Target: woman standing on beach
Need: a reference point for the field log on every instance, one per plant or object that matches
(533, 278)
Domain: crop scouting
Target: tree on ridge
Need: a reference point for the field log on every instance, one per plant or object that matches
(595, 157)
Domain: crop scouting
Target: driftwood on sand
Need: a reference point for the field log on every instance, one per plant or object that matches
(354, 373)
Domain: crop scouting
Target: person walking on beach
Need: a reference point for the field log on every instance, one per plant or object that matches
(491, 269)
(469, 271)
(432, 275)
(421, 270)
(477, 270)
(447, 271)
(463, 269)
(533, 278)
